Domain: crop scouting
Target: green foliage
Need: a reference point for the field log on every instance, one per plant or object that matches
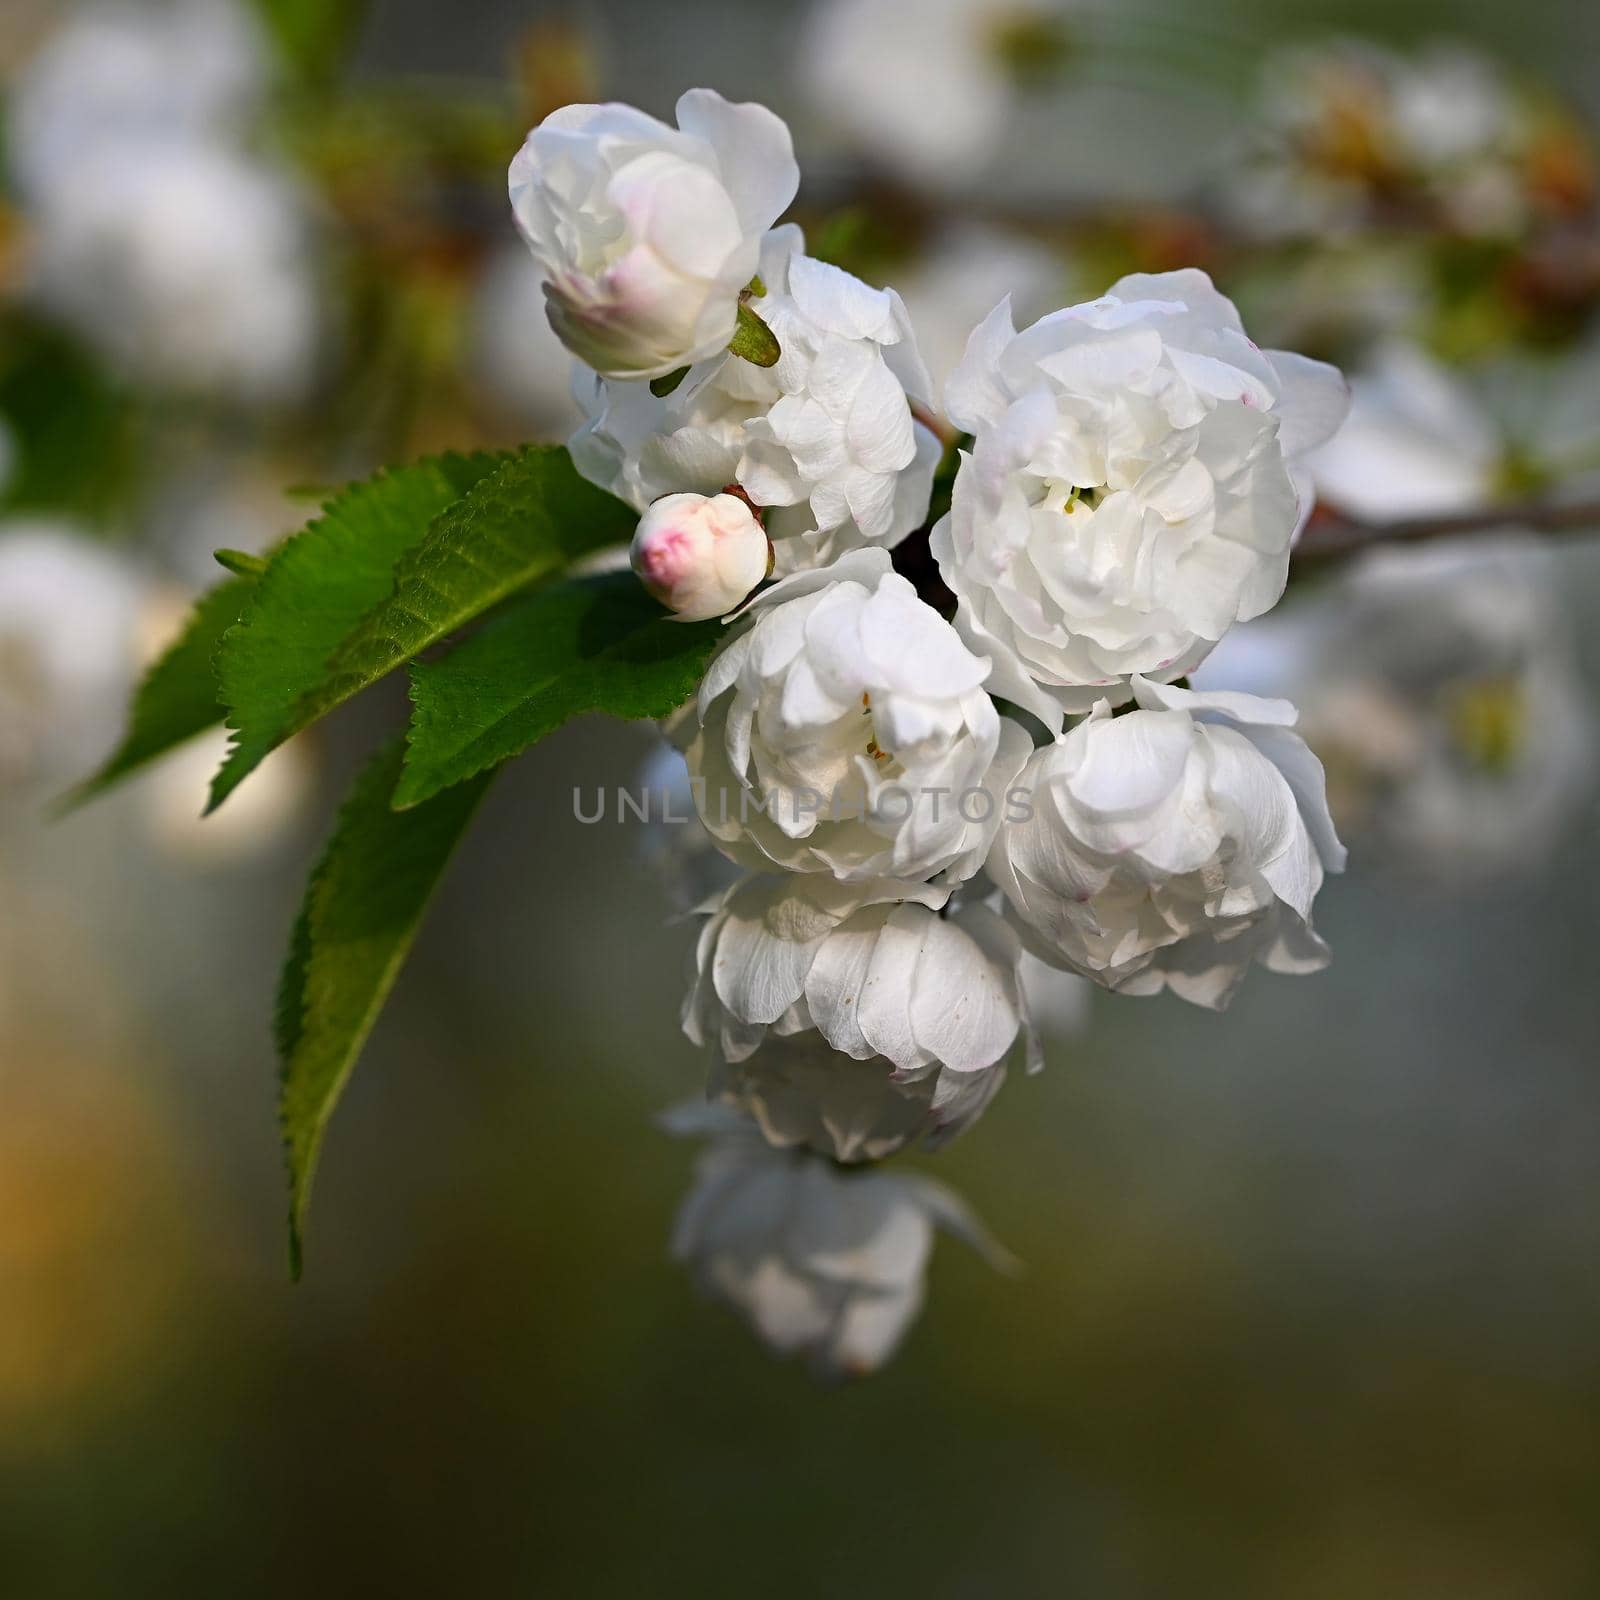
(178, 697)
(313, 37)
(316, 588)
(72, 429)
(360, 917)
(662, 387)
(521, 523)
(599, 644)
(753, 340)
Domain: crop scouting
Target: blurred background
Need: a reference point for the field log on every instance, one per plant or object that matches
(1311, 1306)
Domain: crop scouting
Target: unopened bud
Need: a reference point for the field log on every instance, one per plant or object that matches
(700, 555)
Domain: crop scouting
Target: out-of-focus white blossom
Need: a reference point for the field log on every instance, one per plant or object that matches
(674, 843)
(1173, 845)
(928, 93)
(513, 353)
(1131, 490)
(1439, 686)
(69, 626)
(821, 1263)
(873, 967)
(700, 555)
(1058, 1002)
(1424, 440)
(848, 732)
(825, 440)
(645, 234)
(954, 284)
(800, 1091)
(1356, 136)
(132, 74)
(187, 266)
(277, 798)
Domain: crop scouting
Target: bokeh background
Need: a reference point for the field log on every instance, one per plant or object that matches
(1311, 1306)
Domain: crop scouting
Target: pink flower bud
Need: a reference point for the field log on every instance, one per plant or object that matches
(700, 555)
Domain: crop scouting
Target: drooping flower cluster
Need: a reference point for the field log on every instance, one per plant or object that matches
(919, 834)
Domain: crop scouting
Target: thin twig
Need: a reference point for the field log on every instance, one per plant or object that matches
(1335, 536)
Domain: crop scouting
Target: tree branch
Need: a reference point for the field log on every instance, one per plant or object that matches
(1335, 536)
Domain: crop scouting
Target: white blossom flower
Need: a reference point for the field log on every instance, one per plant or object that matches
(929, 94)
(188, 266)
(819, 1262)
(700, 555)
(800, 1091)
(1424, 440)
(646, 234)
(1171, 846)
(132, 73)
(873, 967)
(1130, 492)
(848, 731)
(824, 440)
(69, 629)
(1438, 684)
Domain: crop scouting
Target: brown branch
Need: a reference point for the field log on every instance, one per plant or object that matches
(1335, 536)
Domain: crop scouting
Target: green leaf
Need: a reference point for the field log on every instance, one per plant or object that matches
(240, 562)
(598, 644)
(178, 696)
(362, 910)
(317, 587)
(70, 428)
(525, 521)
(662, 387)
(753, 340)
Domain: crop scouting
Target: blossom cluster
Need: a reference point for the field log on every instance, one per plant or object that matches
(1355, 136)
(925, 788)
(160, 235)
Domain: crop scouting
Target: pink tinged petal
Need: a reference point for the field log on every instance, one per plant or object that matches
(754, 152)
(680, 210)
